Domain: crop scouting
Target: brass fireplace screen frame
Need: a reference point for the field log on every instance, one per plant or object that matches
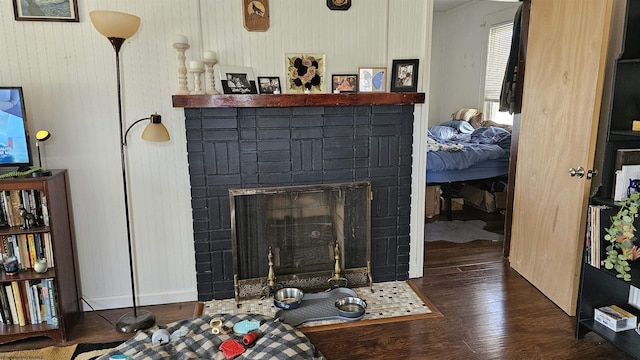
(328, 235)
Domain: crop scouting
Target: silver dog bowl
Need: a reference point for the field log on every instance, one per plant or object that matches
(288, 298)
(351, 307)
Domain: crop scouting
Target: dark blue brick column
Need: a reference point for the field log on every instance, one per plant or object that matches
(257, 147)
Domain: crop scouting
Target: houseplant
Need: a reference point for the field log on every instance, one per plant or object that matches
(621, 235)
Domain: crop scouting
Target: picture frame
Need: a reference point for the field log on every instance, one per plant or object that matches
(404, 75)
(305, 72)
(63, 10)
(344, 83)
(372, 79)
(269, 85)
(237, 80)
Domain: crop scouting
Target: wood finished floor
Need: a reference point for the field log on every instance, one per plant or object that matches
(490, 312)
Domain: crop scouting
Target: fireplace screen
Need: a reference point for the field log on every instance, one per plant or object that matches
(290, 235)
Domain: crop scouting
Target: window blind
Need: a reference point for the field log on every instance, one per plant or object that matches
(497, 56)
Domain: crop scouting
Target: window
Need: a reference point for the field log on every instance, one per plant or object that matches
(497, 56)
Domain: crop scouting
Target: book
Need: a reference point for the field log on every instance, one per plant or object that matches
(6, 309)
(52, 302)
(22, 317)
(30, 305)
(45, 301)
(31, 244)
(12, 304)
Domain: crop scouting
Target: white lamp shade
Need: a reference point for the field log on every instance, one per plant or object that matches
(114, 24)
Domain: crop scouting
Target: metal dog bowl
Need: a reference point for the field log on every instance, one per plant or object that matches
(288, 298)
(351, 306)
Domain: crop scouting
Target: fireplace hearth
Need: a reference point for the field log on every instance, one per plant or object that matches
(237, 147)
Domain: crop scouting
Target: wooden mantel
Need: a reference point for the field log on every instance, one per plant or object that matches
(293, 100)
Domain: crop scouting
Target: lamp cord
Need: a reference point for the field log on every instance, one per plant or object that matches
(97, 313)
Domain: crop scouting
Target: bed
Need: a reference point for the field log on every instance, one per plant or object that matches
(458, 152)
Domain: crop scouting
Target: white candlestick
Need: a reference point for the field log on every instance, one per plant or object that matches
(196, 65)
(182, 68)
(209, 76)
(180, 39)
(197, 82)
(210, 55)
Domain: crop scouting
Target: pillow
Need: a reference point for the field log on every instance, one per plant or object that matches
(5, 95)
(460, 125)
(442, 133)
(464, 114)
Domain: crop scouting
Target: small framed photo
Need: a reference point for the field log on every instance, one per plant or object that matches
(344, 83)
(237, 80)
(269, 85)
(38, 10)
(372, 79)
(404, 75)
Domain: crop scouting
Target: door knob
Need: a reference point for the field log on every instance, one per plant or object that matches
(592, 173)
(579, 172)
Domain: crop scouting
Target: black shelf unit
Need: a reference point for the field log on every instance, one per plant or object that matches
(598, 286)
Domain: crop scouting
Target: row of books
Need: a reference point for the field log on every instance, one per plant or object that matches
(14, 204)
(28, 248)
(598, 219)
(27, 302)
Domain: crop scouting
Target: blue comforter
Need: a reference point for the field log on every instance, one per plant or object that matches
(475, 145)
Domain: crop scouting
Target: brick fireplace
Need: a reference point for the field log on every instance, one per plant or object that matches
(253, 141)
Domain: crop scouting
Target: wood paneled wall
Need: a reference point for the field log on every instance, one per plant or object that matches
(67, 71)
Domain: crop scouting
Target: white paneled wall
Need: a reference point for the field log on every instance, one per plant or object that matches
(67, 71)
(459, 55)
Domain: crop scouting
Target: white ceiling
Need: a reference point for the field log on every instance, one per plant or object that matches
(445, 5)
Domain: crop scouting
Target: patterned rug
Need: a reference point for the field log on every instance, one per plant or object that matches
(389, 302)
(49, 353)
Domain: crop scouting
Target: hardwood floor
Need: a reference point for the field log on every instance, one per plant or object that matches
(490, 312)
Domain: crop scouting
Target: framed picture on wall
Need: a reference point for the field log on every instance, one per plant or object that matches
(38, 10)
(344, 83)
(305, 73)
(372, 79)
(404, 75)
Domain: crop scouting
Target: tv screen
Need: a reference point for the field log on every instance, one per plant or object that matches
(14, 135)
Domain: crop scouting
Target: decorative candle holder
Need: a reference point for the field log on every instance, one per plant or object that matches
(210, 77)
(197, 81)
(182, 68)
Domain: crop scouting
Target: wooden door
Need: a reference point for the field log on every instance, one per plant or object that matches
(566, 56)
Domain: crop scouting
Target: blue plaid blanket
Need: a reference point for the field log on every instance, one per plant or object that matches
(277, 340)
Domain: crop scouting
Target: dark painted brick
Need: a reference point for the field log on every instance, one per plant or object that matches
(273, 145)
(307, 133)
(307, 110)
(345, 149)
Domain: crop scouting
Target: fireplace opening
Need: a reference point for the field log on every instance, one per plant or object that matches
(312, 237)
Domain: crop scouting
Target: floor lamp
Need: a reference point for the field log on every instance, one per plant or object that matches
(117, 27)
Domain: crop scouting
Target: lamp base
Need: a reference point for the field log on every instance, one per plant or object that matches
(129, 323)
(40, 173)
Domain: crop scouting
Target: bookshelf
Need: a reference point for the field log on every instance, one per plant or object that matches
(54, 197)
(599, 286)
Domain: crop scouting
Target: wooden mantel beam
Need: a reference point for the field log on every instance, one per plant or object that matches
(294, 100)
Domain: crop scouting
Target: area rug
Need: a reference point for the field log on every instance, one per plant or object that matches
(92, 351)
(389, 302)
(49, 353)
(459, 231)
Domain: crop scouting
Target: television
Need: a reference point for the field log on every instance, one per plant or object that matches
(14, 135)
